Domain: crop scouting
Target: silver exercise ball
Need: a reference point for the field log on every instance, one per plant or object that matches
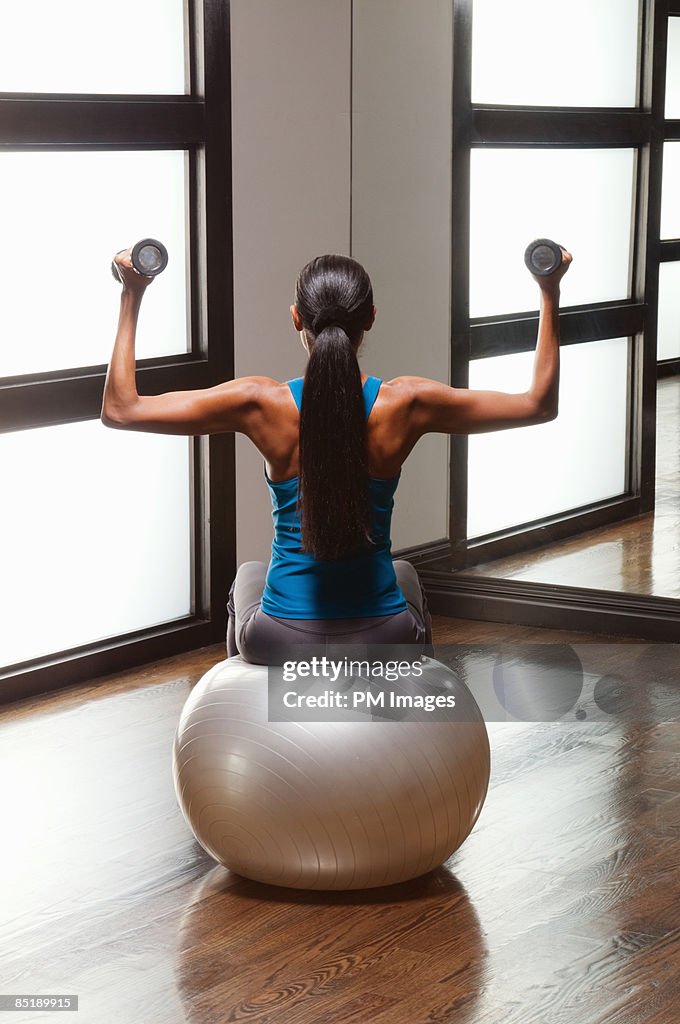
(325, 805)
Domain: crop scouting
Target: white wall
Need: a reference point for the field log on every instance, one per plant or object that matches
(401, 221)
(291, 63)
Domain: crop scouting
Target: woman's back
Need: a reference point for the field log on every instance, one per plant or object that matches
(362, 584)
(389, 431)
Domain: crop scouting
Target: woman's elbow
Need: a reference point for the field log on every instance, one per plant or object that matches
(548, 412)
(114, 417)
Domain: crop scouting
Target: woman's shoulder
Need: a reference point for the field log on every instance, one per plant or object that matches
(406, 385)
(267, 388)
(399, 391)
(392, 394)
(412, 392)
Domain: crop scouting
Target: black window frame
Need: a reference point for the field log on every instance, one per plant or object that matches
(442, 563)
(668, 131)
(200, 124)
(640, 128)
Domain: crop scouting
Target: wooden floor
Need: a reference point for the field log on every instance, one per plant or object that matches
(562, 906)
(638, 556)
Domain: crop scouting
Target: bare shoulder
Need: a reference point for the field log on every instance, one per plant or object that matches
(412, 393)
(272, 411)
(434, 407)
(427, 406)
(262, 392)
(265, 386)
(399, 389)
(422, 404)
(413, 385)
(394, 426)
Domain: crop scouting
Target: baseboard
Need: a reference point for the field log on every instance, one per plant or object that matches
(551, 606)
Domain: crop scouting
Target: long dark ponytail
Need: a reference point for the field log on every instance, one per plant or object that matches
(334, 298)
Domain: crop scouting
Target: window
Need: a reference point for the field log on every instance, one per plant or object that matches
(96, 536)
(513, 53)
(669, 271)
(670, 199)
(107, 552)
(540, 153)
(583, 195)
(673, 69)
(522, 475)
(85, 47)
(669, 311)
(78, 208)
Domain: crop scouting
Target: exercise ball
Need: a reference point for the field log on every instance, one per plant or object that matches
(323, 804)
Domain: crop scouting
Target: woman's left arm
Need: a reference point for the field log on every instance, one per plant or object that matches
(226, 407)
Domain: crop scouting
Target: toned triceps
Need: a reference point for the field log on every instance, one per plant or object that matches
(439, 408)
(220, 409)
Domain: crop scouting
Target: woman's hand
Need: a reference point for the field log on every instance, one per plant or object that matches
(551, 282)
(130, 278)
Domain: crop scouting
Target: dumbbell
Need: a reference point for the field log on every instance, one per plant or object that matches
(543, 256)
(149, 258)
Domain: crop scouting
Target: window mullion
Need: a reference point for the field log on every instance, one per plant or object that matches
(517, 126)
(518, 333)
(65, 121)
(49, 402)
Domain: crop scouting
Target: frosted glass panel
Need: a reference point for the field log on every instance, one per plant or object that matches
(63, 216)
(583, 199)
(91, 46)
(525, 473)
(669, 311)
(673, 69)
(95, 536)
(533, 52)
(670, 195)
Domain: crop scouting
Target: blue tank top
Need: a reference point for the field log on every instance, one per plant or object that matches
(300, 587)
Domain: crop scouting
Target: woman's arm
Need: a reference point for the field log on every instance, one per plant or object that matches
(223, 408)
(438, 408)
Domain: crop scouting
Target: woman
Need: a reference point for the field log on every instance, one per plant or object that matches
(332, 458)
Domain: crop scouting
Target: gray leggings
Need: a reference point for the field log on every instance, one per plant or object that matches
(254, 634)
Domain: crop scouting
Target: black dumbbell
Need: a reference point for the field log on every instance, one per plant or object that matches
(149, 258)
(543, 256)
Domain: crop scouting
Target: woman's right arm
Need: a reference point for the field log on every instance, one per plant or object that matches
(438, 408)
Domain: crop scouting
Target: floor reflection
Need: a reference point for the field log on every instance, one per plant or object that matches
(252, 952)
(638, 556)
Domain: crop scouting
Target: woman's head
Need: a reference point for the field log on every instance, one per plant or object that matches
(334, 306)
(333, 290)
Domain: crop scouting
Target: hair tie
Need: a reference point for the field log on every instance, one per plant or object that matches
(331, 316)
